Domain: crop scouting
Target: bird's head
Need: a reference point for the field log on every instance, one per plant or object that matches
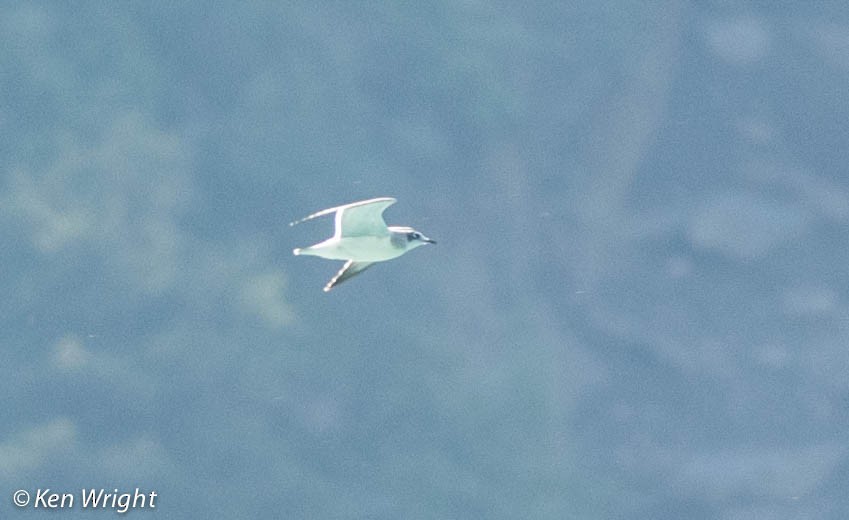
(415, 239)
(411, 237)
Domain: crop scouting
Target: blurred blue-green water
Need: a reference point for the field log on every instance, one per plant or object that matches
(637, 308)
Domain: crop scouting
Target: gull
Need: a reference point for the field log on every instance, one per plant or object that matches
(362, 238)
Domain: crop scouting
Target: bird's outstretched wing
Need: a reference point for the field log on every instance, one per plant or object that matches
(363, 218)
(357, 218)
(348, 270)
(321, 213)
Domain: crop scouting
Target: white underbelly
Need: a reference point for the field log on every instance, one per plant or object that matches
(360, 249)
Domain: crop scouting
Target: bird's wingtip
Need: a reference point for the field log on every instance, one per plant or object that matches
(296, 251)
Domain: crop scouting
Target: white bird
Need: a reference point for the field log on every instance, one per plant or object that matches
(362, 238)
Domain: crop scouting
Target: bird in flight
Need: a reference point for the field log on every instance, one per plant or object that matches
(362, 238)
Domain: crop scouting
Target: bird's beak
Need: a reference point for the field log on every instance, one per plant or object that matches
(430, 241)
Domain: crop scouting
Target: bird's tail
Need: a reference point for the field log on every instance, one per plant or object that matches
(309, 250)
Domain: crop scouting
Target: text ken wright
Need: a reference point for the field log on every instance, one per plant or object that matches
(96, 499)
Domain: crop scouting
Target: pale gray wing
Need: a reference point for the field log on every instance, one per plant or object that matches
(323, 212)
(363, 218)
(348, 270)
